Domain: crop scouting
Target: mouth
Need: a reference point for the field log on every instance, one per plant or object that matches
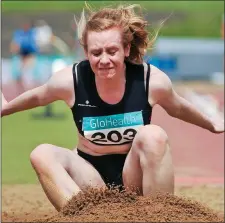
(106, 72)
(109, 68)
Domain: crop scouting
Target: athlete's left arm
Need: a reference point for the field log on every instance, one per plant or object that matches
(161, 92)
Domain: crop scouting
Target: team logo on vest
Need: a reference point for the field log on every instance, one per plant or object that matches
(87, 104)
(112, 129)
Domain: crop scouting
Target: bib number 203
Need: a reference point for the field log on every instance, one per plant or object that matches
(114, 136)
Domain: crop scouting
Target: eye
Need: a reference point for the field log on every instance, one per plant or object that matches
(112, 53)
(96, 54)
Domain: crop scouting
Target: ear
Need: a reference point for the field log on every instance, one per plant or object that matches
(127, 50)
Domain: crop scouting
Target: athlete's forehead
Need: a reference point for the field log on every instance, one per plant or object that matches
(110, 46)
(104, 39)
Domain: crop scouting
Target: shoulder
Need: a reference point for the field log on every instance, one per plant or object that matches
(158, 77)
(17, 32)
(160, 85)
(61, 77)
(61, 85)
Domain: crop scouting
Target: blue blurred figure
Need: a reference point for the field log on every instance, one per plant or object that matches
(24, 43)
(24, 50)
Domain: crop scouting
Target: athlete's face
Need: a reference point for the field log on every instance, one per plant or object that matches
(106, 52)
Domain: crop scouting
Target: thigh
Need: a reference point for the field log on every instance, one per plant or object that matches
(81, 172)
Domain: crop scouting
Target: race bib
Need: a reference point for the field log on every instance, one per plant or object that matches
(112, 129)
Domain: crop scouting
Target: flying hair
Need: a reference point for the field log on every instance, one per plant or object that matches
(134, 27)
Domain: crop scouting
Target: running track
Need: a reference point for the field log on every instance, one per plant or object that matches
(198, 154)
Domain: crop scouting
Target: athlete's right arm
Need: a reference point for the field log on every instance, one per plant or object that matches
(59, 87)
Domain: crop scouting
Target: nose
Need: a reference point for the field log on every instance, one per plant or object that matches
(104, 60)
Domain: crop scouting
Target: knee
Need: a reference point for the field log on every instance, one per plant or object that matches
(39, 156)
(151, 139)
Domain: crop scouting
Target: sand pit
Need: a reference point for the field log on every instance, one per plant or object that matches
(112, 206)
(28, 203)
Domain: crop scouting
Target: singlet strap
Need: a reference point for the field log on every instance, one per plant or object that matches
(147, 80)
(75, 77)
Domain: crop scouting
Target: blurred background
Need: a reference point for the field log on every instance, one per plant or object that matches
(40, 38)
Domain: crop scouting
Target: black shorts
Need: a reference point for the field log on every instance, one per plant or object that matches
(110, 167)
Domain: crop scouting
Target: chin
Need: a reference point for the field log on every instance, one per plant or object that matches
(106, 75)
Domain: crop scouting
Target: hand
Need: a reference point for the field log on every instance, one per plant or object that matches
(4, 103)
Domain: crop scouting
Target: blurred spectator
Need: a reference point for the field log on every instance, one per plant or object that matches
(24, 47)
(45, 38)
(23, 42)
(44, 35)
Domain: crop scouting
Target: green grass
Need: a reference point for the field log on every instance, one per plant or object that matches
(186, 6)
(21, 134)
(201, 18)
